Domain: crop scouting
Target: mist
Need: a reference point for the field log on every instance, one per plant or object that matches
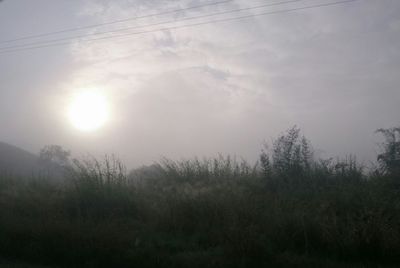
(217, 88)
(201, 133)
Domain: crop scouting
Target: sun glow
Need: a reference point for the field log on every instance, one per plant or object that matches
(89, 110)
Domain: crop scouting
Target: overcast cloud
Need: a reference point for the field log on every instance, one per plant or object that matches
(217, 88)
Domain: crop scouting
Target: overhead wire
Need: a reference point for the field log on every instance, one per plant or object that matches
(188, 25)
(150, 25)
(113, 22)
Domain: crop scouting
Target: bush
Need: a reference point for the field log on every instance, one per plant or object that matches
(217, 212)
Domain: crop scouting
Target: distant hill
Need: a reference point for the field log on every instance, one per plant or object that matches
(16, 161)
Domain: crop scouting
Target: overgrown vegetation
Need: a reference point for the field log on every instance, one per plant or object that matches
(289, 210)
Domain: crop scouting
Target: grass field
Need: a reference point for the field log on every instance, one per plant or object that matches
(288, 211)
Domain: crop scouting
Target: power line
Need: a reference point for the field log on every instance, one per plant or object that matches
(185, 26)
(113, 22)
(189, 25)
(149, 25)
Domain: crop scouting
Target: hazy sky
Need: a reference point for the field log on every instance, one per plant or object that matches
(218, 88)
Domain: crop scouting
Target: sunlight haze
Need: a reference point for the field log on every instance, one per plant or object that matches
(88, 110)
(221, 87)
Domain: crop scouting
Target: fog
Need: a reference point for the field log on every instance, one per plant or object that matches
(199, 91)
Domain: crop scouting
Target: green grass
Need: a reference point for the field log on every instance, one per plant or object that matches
(288, 211)
(16, 264)
(101, 217)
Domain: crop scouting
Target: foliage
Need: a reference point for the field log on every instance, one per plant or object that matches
(55, 154)
(389, 158)
(98, 188)
(217, 212)
(291, 156)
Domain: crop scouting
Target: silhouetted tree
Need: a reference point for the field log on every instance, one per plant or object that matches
(291, 154)
(55, 154)
(265, 163)
(389, 159)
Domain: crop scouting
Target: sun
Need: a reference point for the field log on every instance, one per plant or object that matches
(88, 110)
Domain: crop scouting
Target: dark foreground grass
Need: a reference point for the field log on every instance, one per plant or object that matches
(178, 217)
(289, 211)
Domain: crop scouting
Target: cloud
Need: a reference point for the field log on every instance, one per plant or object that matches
(327, 69)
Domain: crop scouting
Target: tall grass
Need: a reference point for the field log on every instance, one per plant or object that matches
(288, 210)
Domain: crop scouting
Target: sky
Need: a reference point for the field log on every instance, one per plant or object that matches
(223, 87)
